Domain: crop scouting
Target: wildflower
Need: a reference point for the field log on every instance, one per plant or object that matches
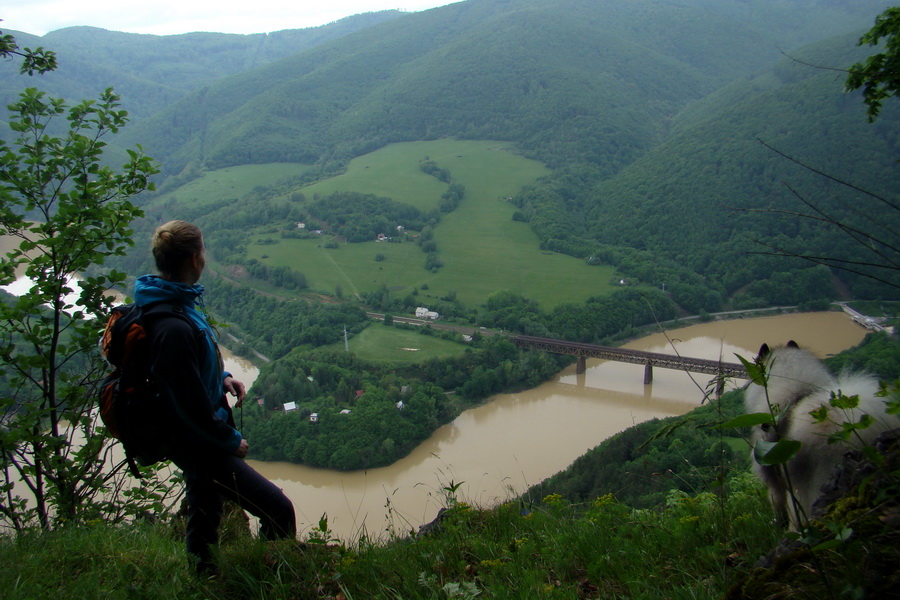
(554, 500)
(604, 500)
(491, 563)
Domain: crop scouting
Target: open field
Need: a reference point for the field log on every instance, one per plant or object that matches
(231, 183)
(393, 172)
(380, 343)
(482, 248)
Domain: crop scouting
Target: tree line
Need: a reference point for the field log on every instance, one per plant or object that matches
(388, 410)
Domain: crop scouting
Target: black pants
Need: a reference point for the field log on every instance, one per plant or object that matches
(209, 479)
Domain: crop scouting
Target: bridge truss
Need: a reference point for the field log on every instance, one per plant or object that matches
(639, 357)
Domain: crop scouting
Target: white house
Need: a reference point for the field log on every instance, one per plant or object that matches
(289, 406)
(314, 418)
(424, 313)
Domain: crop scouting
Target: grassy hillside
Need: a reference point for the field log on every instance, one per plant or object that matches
(648, 116)
(482, 248)
(230, 184)
(547, 550)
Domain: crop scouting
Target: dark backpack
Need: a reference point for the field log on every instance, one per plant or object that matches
(129, 398)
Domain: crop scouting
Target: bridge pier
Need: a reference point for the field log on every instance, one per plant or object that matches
(580, 366)
(648, 359)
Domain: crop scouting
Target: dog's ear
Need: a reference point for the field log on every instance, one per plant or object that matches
(763, 352)
(793, 344)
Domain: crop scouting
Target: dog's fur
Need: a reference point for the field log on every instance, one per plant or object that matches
(799, 383)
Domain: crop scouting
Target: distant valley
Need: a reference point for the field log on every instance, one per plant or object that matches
(639, 145)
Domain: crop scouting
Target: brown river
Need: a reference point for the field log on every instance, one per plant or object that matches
(514, 441)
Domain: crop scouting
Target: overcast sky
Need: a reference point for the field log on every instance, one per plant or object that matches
(166, 17)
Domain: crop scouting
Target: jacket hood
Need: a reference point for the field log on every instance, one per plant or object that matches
(153, 288)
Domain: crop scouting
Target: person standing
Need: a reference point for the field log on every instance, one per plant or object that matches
(202, 439)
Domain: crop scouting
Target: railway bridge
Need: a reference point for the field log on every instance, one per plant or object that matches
(648, 359)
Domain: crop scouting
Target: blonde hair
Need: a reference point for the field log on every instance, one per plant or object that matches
(174, 243)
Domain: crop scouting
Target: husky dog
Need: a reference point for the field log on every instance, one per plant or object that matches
(798, 383)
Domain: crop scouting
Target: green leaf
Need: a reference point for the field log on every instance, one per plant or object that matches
(755, 371)
(768, 454)
(841, 534)
(748, 420)
(819, 415)
(839, 400)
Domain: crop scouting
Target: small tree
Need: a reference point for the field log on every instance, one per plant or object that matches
(876, 239)
(879, 75)
(34, 61)
(68, 211)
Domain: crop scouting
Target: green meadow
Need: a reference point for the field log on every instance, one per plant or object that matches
(393, 172)
(483, 250)
(383, 344)
(232, 183)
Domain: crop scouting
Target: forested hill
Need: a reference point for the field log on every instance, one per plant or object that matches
(573, 81)
(152, 71)
(720, 193)
(652, 116)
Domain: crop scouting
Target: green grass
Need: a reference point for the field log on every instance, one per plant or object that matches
(519, 550)
(393, 172)
(232, 183)
(384, 344)
(352, 267)
(482, 248)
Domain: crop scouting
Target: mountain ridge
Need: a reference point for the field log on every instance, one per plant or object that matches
(647, 113)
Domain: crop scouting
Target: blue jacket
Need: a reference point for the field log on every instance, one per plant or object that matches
(189, 367)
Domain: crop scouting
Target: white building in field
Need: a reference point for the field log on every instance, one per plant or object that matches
(424, 313)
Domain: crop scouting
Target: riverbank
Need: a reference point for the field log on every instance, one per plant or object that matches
(495, 451)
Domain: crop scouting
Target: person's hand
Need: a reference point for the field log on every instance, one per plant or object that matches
(242, 450)
(236, 389)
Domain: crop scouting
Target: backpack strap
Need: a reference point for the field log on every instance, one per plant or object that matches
(162, 309)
